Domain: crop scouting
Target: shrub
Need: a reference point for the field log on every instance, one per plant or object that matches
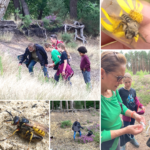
(86, 139)
(67, 37)
(66, 123)
(72, 45)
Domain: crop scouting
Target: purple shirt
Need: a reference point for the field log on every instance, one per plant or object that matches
(85, 63)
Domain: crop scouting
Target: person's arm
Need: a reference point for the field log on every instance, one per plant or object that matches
(55, 58)
(65, 64)
(24, 56)
(107, 135)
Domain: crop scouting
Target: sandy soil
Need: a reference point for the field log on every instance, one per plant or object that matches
(63, 138)
(39, 113)
(142, 138)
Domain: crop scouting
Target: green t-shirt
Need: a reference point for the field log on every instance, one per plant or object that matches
(54, 55)
(110, 116)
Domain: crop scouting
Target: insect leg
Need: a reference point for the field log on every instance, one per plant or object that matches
(10, 135)
(143, 37)
(30, 137)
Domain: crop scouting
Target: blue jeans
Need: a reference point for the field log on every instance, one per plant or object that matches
(56, 77)
(87, 77)
(31, 65)
(74, 136)
(129, 123)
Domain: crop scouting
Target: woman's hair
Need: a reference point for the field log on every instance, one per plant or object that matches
(82, 49)
(127, 75)
(54, 36)
(47, 45)
(62, 46)
(111, 61)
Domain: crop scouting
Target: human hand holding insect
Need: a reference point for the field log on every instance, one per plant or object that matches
(134, 34)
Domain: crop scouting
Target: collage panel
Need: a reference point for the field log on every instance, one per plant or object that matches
(125, 24)
(24, 125)
(75, 125)
(50, 52)
(126, 78)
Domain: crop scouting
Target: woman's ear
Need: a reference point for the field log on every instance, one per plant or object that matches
(102, 73)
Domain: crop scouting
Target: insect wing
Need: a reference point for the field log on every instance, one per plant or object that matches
(37, 125)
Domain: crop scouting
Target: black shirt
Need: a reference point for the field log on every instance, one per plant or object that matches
(63, 57)
(128, 98)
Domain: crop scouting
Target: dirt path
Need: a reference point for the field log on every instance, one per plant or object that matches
(63, 138)
(33, 110)
(142, 138)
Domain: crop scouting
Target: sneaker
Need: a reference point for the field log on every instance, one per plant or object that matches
(123, 147)
(134, 142)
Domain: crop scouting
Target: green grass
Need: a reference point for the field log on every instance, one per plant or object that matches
(97, 137)
(66, 123)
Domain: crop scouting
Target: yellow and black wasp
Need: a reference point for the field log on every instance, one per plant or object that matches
(27, 129)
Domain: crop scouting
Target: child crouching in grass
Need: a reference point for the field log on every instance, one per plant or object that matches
(85, 65)
(130, 100)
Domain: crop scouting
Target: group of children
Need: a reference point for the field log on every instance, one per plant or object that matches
(130, 100)
(60, 57)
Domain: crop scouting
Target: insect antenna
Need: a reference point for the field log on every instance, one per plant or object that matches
(18, 111)
(10, 114)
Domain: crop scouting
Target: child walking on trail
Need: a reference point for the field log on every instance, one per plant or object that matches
(85, 65)
(64, 67)
(76, 128)
(130, 100)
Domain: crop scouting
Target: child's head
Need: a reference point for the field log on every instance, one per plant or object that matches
(53, 38)
(82, 50)
(48, 47)
(127, 80)
(61, 48)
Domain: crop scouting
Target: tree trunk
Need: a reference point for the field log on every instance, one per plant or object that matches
(40, 15)
(73, 9)
(17, 6)
(95, 104)
(3, 7)
(71, 104)
(25, 7)
(67, 105)
(60, 105)
(52, 105)
(84, 104)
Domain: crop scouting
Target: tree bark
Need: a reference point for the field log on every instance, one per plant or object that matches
(84, 104)
(95, 104)
(52, 105)
(3, 7)
(17, 6)
(73, 9)
(71, 104)
(67, 105)
(25, 7)
(40, 15)
(60, 105)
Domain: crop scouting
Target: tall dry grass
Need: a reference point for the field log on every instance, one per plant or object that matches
(16, 83)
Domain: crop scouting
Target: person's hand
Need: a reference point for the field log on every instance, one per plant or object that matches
(50, 65)
(134, 129)
(139, 118)
(84, 69)
(113, 42)
(143, 108)
(63, 73)
(20, 64)
(58, 56)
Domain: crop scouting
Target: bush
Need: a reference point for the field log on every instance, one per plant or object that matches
(66, 123)
(67, 37)
(86, 139)
(97, 137)
(72, 45)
